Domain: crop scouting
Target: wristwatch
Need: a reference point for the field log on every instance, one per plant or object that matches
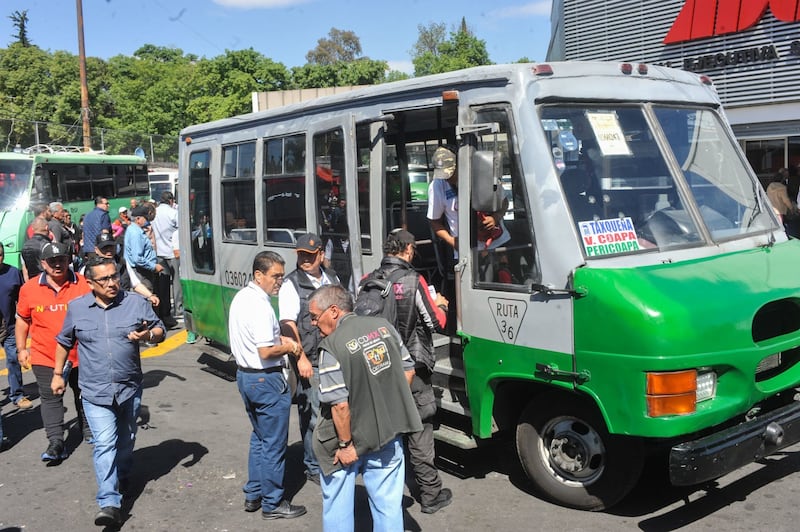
(345, 444)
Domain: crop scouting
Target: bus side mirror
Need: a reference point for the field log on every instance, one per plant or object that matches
(486, 174)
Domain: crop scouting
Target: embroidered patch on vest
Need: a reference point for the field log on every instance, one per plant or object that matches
(377, 358)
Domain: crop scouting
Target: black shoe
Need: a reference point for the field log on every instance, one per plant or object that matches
(312, 477)
(5, 443)
(285, 511)
(252, 505)
(55, 451)
(444, 498)
(108, 516)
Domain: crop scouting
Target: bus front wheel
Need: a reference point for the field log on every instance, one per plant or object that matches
(569, 456)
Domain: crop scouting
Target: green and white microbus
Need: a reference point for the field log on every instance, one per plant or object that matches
(647, 298)
(43, 174)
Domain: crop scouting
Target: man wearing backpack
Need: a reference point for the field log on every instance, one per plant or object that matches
(417, 316)
(309, 275)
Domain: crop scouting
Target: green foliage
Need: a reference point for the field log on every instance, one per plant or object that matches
(340, 74)
(160, 90)
(433, 54)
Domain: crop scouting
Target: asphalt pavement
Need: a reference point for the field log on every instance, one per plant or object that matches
(190, 462)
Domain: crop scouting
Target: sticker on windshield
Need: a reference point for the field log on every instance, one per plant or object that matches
(606, 237)
(608, 133)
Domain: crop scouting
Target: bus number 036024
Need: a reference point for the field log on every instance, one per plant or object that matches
(237, 278)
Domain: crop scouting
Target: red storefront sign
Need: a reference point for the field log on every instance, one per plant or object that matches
(699, 19)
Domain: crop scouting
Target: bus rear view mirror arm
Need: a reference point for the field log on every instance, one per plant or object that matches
(550, 291)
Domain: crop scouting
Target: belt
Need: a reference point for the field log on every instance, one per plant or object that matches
(271, 369)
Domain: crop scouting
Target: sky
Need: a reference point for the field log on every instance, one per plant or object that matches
(282, 30)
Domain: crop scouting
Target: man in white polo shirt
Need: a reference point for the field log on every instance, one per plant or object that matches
(259, 349)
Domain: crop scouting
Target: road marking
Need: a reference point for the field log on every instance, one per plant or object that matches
(161, 349)
(166, 346)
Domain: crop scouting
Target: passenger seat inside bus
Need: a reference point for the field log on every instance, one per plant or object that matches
(583, 202)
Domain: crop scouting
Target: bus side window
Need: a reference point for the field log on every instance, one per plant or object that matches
(238, 192)
(502, 242)
(284, 188)
(200, 212)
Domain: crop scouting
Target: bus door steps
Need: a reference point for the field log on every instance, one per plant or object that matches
(452, 367)
(455, 437)
(446, 346)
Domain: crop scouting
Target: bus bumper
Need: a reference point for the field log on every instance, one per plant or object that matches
(720, 453)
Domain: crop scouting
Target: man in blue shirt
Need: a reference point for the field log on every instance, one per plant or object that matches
(10, 281)
(108, 325)
(96, 222)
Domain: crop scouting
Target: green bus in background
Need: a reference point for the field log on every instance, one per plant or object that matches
(44, 174)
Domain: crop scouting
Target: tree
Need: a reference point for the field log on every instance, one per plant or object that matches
(341, 45)
(461, 50)
(430, 38)
(340, 74)
(20, 21)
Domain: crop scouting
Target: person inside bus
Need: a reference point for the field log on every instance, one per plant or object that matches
(443, 206)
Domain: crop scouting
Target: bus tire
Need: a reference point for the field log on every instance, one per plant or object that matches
(569, 456)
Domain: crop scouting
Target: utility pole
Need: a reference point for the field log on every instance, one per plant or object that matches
(87, 132)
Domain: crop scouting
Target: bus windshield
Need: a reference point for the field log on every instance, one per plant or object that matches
(15, 178)
(620, 188)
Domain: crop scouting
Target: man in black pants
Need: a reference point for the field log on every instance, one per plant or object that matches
(419, 315)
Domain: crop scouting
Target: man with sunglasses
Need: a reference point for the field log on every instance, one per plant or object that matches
(365, 372)
(41, 308)
(108, 326)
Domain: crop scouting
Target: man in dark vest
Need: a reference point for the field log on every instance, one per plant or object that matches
(309, 275)
(365, 374)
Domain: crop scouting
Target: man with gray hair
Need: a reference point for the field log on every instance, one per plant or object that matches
(365, 373)
(56, 224)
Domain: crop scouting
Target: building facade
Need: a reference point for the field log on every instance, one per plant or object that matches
(749, 48)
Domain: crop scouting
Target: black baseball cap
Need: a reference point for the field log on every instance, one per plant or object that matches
(104, 240)
(52, 250)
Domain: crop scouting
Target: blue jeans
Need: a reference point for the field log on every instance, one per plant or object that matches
(14, 369)
(308, 412)
(114, 430)
(384, 478)
(267, 400)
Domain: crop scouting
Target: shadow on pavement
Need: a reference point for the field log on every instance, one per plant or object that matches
(153, 378)
(151, 463)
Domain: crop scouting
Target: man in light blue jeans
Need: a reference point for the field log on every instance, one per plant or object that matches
(365, 372)
(108, 324)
